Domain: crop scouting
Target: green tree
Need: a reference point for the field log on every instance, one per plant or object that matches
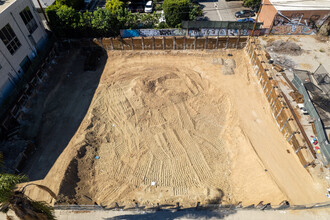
(85, 23)
(251, 3)
(195, 10)
(13, 199)
(64, 20)
(76, 4)
(68, 16)
(114, 6)
(149, 20)
(176, 11)
(105, 23)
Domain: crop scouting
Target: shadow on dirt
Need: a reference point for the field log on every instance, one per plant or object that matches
(183, 213)
(58, 108)
(169, 211)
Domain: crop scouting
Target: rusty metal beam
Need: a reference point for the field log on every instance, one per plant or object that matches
(302, 130)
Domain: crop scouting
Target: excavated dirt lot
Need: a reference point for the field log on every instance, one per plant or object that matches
(166, 127)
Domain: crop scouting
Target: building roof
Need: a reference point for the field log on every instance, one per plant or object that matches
(44, 3)
(301, 5)
(5, 3)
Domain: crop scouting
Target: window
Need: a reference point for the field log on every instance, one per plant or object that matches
(25, 64)
(9, 38)
(28, 20)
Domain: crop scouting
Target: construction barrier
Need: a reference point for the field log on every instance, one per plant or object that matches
(281, 108)
(320, 133)
(171, 43)
(285, 205)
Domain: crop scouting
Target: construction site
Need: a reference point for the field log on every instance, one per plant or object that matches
(168, 123)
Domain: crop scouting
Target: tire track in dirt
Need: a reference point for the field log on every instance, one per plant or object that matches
(166, 124)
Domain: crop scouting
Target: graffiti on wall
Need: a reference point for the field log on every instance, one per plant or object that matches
(203, 32)
(152, 32)
(296, 24)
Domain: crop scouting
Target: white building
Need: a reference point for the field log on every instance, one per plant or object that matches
(21, 36)
(44, 3)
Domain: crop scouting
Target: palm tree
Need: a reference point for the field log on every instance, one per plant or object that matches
(12, 198)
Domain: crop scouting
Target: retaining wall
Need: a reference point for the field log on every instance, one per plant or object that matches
(280, 106)
(171, 43)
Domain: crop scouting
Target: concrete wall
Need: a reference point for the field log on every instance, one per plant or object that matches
(279, 105)
(11, 70)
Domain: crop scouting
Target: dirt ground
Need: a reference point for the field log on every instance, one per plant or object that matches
(166, 127)
(314, 51)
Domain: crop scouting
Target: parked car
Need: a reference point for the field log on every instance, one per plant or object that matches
(149, 7)
(140, 8)
(302, 109)
(246, 20)
(135, 8)
(244, 14)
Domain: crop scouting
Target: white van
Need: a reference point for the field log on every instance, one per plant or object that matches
(149, 7)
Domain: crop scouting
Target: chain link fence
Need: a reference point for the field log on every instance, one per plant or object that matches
(321, 136)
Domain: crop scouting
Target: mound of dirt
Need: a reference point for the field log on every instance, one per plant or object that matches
(285, 47)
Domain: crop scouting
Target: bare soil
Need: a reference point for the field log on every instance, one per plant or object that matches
(167, 127)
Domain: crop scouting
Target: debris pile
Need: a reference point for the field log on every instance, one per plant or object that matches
(284, 61)
(285, 47)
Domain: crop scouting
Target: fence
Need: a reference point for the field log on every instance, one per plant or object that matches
(170, 43)
(198, 29)
(285, 205)
(321, 136)
(126, 33)
(281, 109)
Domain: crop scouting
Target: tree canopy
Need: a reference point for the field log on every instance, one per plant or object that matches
(251, 3)
(114, 5)
(76, 4)
(66, 21)
(176, 11)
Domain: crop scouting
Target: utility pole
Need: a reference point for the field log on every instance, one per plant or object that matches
(43, 12)
(255, 22)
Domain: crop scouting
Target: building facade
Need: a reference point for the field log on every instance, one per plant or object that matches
(21, 36)
(43, 3)
(294, 17)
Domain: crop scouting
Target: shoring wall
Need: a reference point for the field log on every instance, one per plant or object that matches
(280, 106)
(171, 43)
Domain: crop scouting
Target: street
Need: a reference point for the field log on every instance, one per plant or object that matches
(220, 10)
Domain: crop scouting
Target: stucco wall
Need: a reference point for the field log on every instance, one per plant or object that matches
(10, 63)
(267, 14)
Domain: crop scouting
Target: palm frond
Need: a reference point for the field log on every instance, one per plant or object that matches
(44, 208)
(8, 183)
(45, 188)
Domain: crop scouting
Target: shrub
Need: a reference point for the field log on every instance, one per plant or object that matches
(176, 11)
(114, 5)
